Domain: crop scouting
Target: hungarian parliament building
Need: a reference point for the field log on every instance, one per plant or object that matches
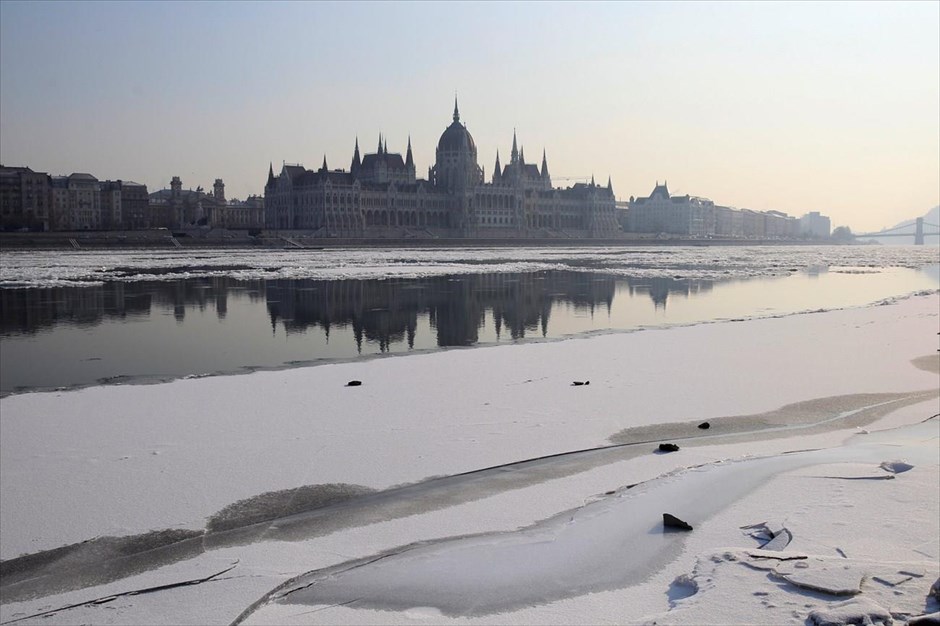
(381, 196)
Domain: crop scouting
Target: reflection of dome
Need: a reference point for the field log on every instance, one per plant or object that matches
(456, 137)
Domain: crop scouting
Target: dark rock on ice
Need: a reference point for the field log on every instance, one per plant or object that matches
(671, 521)
(896, 467)
(668, 447)
(579, 383)
(354, 383)
(704, 425)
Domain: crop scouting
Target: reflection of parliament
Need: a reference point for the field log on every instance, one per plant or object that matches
(381, 196)
(382, 312)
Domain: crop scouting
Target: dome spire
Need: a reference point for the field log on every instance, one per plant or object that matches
(456, 112)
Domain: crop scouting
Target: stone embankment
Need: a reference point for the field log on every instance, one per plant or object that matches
(166, 239)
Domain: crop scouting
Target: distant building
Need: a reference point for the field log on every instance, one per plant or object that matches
(76, 202)
(181, 208)
(691, 216)
(779, 225)
(815, 225)
(24, 199)
(380, 196)
(37, 201)
(680, 215)
(124, 205)
(729, 222)
(245, 214)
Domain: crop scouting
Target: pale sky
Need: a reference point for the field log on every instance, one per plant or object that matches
(795, 107)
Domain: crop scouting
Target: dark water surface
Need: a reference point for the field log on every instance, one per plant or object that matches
(117, 332)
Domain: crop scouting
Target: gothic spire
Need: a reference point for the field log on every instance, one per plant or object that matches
(522, 155)
(544, 165)
(514, 155)
(610, 187)
(356, 161)
(456, 112)
(592, 181)
(323, 167)
(379, 149)
(497, 171)
(270, 172)
(409, 160)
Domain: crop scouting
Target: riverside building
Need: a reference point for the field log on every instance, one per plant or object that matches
(691, 216)
(381, 196)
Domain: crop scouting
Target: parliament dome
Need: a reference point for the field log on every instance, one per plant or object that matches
(456, 137)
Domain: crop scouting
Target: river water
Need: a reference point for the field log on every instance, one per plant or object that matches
(71, 319)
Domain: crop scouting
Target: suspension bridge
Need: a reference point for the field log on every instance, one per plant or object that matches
(919, 234)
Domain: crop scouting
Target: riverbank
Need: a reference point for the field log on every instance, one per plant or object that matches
(222, 238)
(292, 475)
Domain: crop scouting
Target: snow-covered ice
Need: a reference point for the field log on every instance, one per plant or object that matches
(307, 480)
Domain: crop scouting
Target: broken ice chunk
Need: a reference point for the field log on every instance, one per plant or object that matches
(838, 580)
(780, 541)
(854, 611)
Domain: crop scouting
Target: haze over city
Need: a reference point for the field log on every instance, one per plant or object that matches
(792, 107)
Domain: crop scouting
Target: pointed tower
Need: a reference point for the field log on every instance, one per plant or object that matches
(323, 167)
(610, 187)
(410, 163)
(456, 112)
(522, 156)
(514, 155)
(379, 149)
(546, 178)
(497, 170)
(270, 174)
(592, 181)
(356, 161)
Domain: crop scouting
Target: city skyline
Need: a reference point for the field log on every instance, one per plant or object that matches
(790, 107)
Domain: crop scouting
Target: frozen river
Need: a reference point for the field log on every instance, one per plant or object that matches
(81, 318)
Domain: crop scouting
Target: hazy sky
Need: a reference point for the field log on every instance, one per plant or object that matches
(833, 107)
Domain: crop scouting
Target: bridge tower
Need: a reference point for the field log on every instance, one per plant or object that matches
(919, 232)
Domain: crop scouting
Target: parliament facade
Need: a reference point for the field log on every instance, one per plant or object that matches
(381, 196)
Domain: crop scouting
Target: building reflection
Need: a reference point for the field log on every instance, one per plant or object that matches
(660, 288)
(28, 311)
(384, 313)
